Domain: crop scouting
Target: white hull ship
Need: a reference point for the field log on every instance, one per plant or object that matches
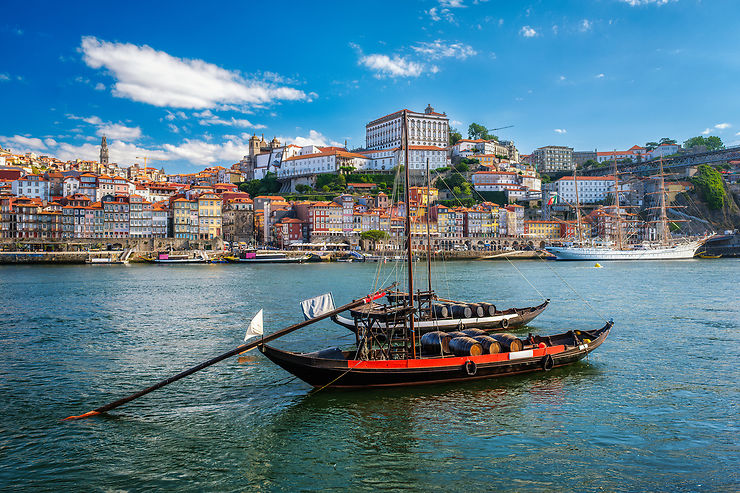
(675, 252)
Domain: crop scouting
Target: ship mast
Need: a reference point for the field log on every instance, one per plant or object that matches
(578, 210)
(663, 217)
(409, 252)
(429, 239)
(616, 203)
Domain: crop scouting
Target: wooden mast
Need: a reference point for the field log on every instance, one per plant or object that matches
(429, 240)
(578, 209)
(663, 216)
(616, 203)
(409, 252)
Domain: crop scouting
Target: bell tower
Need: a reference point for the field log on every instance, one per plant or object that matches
(103, 151)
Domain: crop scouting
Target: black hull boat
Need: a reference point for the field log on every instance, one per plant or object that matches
(498, 321)
(338, 369)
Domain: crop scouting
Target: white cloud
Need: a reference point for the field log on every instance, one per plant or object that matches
(560, 131)
(50, 142)
(451, 3)
(555, 29)
(527, 32)
(397, 66)
(585, 25)
(119, 131)
(434, 14)
(120, 152)
(99, 86)
(599, 76)
(707, 131)
(737, 133)
(562, 77)
(635, 3)
(313, 138)
(160, 79)
(173, 128)
(26, 143)
(110, 129)
(4, 77)
(208, 118)
(439, 49)
(200, 152)
(455, 122)
(722, 126)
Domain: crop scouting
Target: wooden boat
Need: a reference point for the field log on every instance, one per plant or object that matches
(500, 320)
(350, 370)
(706, 255)
(104, 261)
(388, 351)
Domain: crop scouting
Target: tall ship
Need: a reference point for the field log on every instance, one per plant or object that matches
(616, 248)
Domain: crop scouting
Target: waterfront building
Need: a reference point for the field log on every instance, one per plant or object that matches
(116, 216)
(182, 218)
(591, 189)
(552, 159)
(209, 216)
(425, 129)
(140, 217)
(543, 229)
(31, 186)
(88, 185)
(160, 220)
(238, 217)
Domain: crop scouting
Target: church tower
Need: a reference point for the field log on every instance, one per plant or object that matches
(103, 151)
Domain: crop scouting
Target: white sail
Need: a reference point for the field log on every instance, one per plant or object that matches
(255, 327)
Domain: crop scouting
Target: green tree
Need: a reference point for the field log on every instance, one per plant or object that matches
(374, 235)
(449, 182)
(649, 146)
(462, 167)
(590, 163)
(455, 136)
(712, 143)
(708, 182)
(666, 140)
(478, 131)
(303, 188)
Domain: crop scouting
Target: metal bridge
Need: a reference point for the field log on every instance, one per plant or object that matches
(674, 163)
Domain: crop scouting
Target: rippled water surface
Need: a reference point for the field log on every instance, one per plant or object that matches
(654, 408)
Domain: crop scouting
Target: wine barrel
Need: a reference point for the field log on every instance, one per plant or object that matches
(509, 342)
(488, 308)
(461, 311)
(440, 311)
(456, 333)
(490, 345)
(465, 346)
(436, 342)
(474, 332)
(477, 309)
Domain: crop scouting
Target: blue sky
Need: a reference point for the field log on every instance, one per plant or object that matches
(187, 83)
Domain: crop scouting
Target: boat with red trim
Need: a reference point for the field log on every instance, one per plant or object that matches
(352, 370)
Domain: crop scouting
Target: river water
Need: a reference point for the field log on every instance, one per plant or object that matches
(655, 408)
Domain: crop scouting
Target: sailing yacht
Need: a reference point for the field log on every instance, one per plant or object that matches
(666, 248)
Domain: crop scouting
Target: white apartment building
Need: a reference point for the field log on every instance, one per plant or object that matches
(590, 188)
(425, 129)
(468, 148)
(323, 161)
(31, 186)
(551, 159)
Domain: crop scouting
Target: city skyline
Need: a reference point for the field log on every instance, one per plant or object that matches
(188, 86)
